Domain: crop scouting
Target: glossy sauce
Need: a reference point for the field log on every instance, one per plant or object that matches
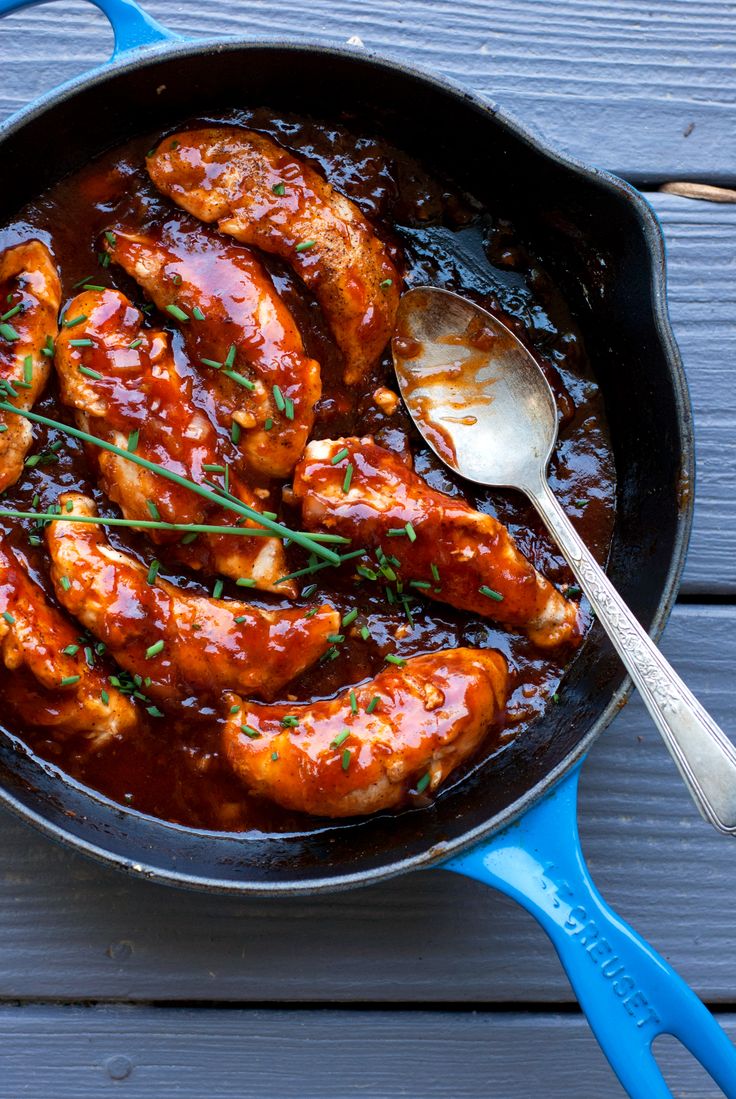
(173, 767)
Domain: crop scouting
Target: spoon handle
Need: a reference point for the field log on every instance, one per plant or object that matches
(704, 755)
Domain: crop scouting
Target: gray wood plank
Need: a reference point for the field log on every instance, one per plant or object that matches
(143, 1052)
(701, 254)
(71, 930)
(645, 89)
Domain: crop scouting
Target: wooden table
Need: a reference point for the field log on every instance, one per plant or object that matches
(430, 985)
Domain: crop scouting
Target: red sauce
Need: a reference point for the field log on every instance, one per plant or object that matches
(173, 767)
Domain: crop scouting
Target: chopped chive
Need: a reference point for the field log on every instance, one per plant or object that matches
(235, 709)
(94, 374)
(105, 697)
(153, 571)
(48, 347)
(11, 312)
(211, 362)
(365, 633)
(65, 582)
(423, 783)
(154, 512)
(69, 680)
(410, 532)
(81, 343)
(305, 245)
(197, 313)
(386, 283)
(274, 756)
(75, 321)
(435, 573)
(177, 313)
(336, 638)
(353, 702)
(8, 332)
(133, 441)
(490, 593)
(289, 408)
(372, 704)
(240, 619)
(8, 618)
(92, 286)
(289, 721)
(396, 532)
(189, 538)
(339, 456)
(245, 582)
(268, 424)
(154, 649)
(210, 468)
(309, 590)
(103, 259)
(311, 614)
(347, 478)
(391, 658)
(366, 573)
(28, 368)
(110, 237)
(230, 357)
(279, 398)
(217, 589)
(250, 731)
(135, 343)
(346, 755)
(279, 189)
(340, 739)
(3, 427)
(348, 618)
(581, 503)
(235, 431)
(390, 595)
(89, 656)
(419, 584)
(239, 378)
(154, 711)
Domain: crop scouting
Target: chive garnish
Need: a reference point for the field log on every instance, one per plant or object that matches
(75, 321)
(279, 398)
(490, 593)
(372, 704)
(213, 468)
(277, 528)
(239, 378)
(572, 591)
(105, 697)
(250, 731)
(217, 589)
(197, 313)
(386, 283)
(8, 332)
(133, 441)
(240, 619)
(336, 638)
(279, 189)
(135, 343)
(348, 618)
(154, 649)
(423, 783)
(65, 582)
(11, 312)
(366, 573)
(8, 618)
(396, 532)
(305, 245)
(211, 362)
(309, 590)
(230, 357)
(81, 343)
(245, 582)
(410, 532)
(288, 408)
(192, 537)
(94, 374)
(154, 711)
(178, 313)
(190, 530)
(391, 658)
(110, 237)
(153, 571)
(268, 424)
(435, 573)
(48, 347)
(69, 680)
(28, 369)
(274, 756)
(289, 721)
(347, 478)
(339, 456)
(365, 633)
(340, 739)
(353, 702)
(153, 510)
(92, 286)
(346, 759)
(235, 431)
(419, 584)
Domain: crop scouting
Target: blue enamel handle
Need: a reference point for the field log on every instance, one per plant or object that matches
(132, 26)
(628, 993)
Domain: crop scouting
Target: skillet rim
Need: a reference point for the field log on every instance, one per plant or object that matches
(655, 245)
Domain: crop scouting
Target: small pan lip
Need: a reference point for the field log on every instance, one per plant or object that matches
(651, 230)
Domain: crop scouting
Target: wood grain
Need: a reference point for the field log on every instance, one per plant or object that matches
(72, 931)
(645, 89)
(65, 1053)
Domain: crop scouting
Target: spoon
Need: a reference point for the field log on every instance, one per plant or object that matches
(485, 408)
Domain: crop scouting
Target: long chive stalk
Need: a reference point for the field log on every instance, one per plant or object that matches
(151, 524)
(301, 539)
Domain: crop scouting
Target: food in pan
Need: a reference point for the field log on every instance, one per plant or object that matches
(237, 589)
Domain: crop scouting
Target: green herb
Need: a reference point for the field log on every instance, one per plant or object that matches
(279, 189)
(555, 697)
(28, 369)
(423, 783)
(411, 532)
(75, 321)
(240, 619)
(396, 532)
(435, 573)
(581, 503)
(340, 739)
(192, 537)
(135, 343)
(235, 431)
(348, 618)
(305, 245)
(490, 593)
(210, 468)
(8, 332)
(365, 633)
(110, 238)
(250, 732)
(94, 374)
(386, 283)
(92, 286)
(391, 658)
(153, 510)
(245, 582)
(103, 259)
(268, 424)
(274, 756)
(8, 618)
(336, 638)
(372, 704)
(288, 408)
(133, 441)
(197, 313)
(239, 379)
(309, 590)
(419, 584)
(153, 571)
(230, 357)
(154, 711)
(339, 456)
(211, 362)
(290, 722)
(105, 697)
(154, 649)
(353, 702)
(346, 759)
(81, 343)
(217, 589)
(69, 680)
(11, 312)
(347, 478)
(65, 582)
(48, 347)
(279, 398)
(177, 313)
(366, 573)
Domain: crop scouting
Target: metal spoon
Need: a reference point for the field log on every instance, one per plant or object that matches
(484, 406)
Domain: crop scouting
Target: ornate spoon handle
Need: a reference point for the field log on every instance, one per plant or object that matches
(704, 755)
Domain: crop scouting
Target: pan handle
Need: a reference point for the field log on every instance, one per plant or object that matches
(132, 26)
(628, 993)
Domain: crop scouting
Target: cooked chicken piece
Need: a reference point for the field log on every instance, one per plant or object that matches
(413, 726)
(261, 194)
(29, 283)
(181, 644)
(46, 678)
(268, 386)
(449, 551)
(122, 379)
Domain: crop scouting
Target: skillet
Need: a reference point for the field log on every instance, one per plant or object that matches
(515, 827)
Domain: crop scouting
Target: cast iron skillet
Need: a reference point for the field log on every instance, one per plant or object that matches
(602, 242)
